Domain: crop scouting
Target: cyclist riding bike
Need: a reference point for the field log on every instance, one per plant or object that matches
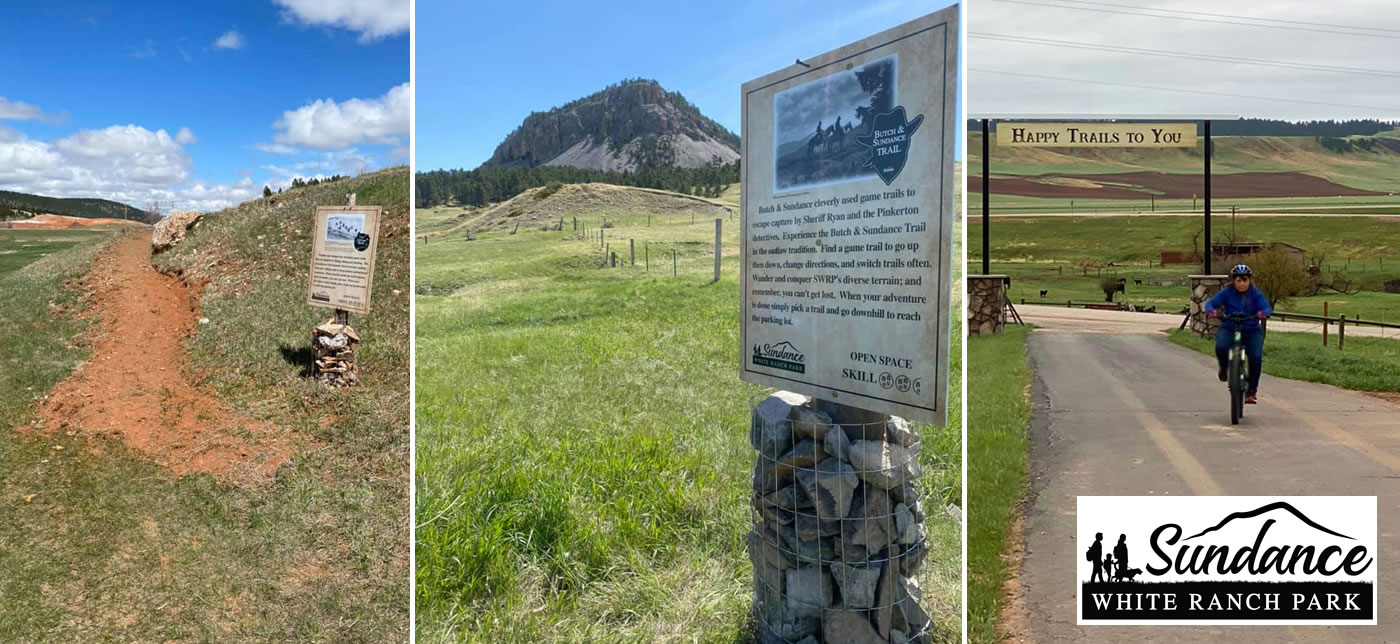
(1242, 298)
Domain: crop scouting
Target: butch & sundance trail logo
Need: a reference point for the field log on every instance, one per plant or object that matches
(1226, 560)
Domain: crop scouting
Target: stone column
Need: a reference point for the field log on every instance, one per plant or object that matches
(838, 532)
(1202, 288)
(986, 304)
(333, 349)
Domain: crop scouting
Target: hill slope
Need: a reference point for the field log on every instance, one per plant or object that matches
(18, 205)
(634, 124)
(1360, 162)
(544, 207)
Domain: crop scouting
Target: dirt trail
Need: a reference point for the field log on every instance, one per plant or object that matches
(132, 388)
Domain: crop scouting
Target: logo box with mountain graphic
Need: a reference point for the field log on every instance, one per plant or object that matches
(1243, 560)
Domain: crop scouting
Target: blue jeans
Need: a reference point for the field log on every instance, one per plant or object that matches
(1253, 340)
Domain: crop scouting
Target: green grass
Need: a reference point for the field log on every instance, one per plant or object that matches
(1365, 364)
(1048, 253)
(113, 547)
(998, 415)
(20, 248)
(601, 494)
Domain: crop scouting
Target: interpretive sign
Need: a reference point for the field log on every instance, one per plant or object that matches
(342, 258)
(1096, 135)
(846, 221)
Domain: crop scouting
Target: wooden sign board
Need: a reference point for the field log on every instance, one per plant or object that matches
(1096, 135)
(846, 221)
(342, 257)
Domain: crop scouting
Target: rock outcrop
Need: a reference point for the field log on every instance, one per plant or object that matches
(632, 125)
(172, 229)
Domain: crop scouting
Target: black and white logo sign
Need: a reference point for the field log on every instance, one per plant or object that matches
(782, 355)
(1247, 560)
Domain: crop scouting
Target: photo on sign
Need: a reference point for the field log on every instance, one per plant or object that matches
(815, 126)
(344, 228)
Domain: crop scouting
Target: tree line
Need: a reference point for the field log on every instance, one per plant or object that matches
(1275, 127)
(494, 184)
(299, 182)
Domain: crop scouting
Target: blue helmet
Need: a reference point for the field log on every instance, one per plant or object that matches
(1241, 270)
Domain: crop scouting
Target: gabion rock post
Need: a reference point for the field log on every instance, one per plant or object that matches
(333, 349)
(838, 527)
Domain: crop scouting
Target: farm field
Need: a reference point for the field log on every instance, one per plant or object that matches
(603, 494)
(19, 248)
(1253, 174)
(1066, 256)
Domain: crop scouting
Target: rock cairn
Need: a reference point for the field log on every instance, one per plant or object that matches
(986, 304)
(838, 527)
(333, 348)
(1203, 287)
(172, 228)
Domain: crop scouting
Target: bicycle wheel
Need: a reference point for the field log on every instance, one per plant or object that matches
(1236, 380)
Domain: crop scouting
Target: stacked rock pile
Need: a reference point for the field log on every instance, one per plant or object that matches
(333, 348)
(838, 527)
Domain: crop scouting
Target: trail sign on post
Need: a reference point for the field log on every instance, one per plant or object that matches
(846, 221)
(342, 257)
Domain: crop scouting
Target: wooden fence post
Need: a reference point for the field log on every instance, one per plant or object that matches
(1324, 324)
(1341, 331)
(719, 223)
(632, 250)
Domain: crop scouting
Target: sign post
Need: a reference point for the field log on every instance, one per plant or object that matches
(845, 269)
(345, 240)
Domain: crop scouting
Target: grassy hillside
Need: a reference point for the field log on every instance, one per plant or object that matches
(1375, 167)
(548, 207)
(100, 543)
(18, 205)
(602, 495)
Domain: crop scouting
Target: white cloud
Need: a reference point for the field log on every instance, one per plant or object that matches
(230, 40)
(185, 137)
(326, 124)
(125, 163)
(21, 111)
(276, 148)
(373, 19)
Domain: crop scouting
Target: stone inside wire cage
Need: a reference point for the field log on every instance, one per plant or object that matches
(838, 532)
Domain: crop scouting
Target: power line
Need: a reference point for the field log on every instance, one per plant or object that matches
(1184, 55)
(1182, 90)
(1226, 15)
(1218, 22)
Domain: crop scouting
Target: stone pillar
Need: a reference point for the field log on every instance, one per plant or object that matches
(986, 304)
(1202, 288)
(838, 532)
(333, 349)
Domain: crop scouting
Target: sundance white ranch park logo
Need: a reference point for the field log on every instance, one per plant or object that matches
(782, 355)
(1226, 560)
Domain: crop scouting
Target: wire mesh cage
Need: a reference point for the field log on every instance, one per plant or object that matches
(838, 533)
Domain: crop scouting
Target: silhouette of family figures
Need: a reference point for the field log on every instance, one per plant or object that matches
(1113, 567)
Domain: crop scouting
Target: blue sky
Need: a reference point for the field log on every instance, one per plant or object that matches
(199, 103)
(476, 84)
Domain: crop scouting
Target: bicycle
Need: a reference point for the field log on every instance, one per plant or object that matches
(1237, 376)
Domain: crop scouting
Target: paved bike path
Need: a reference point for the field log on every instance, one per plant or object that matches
(1137, 415)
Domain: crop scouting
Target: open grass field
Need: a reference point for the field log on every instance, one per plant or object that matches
(998, 413)
(20, 248)
(582, 454)
(100, 543)
(1050, 254)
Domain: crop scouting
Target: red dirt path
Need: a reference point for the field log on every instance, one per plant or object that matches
(132, 388)
(1138, 185)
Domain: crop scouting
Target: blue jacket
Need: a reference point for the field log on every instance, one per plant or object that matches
(1248, 303)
